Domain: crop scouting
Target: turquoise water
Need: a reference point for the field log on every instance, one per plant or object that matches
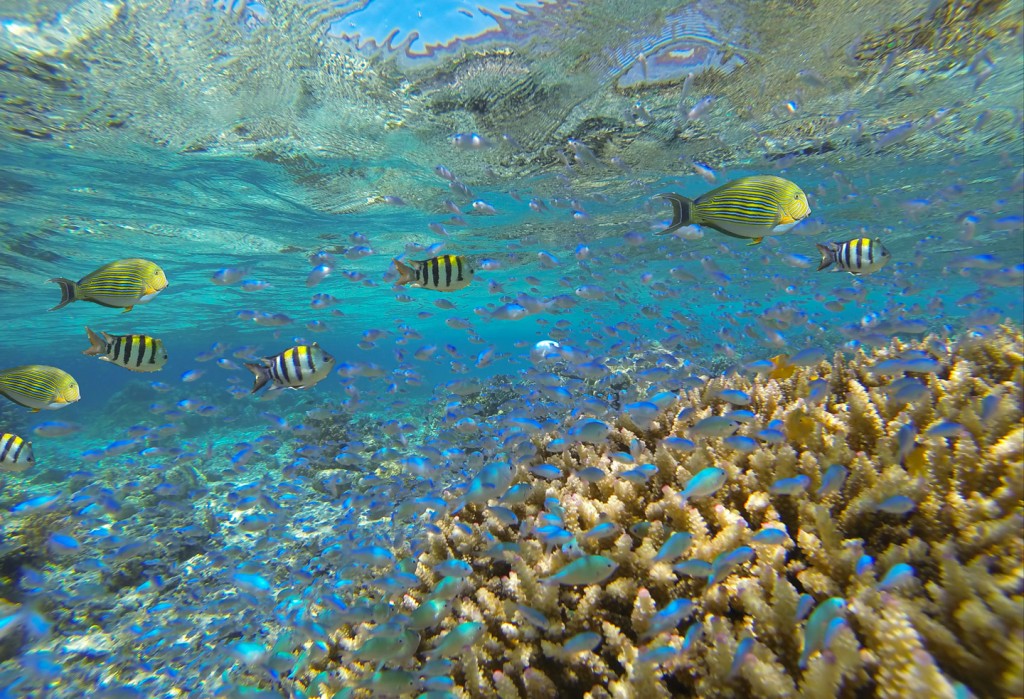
(252, 136)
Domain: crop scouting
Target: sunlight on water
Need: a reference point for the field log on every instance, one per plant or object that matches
(176, 534)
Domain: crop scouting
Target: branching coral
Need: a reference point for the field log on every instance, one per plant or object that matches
(957, 454)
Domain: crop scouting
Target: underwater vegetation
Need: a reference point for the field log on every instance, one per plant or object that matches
(836, 541)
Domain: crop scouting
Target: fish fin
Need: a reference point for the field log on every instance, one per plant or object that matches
(827, 256)
(68, 289)
(755, 241)
(127, 309)
(261, 375)
(406, 273)
(681, 208)
(97, 346)
(34, 410)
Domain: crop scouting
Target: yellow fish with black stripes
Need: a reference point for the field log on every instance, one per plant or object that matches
(858, 256)
(39, 387)
(133, 352)
(443, 273)
(297, 367)
(749, 207)
(15, 453)
(117, 284)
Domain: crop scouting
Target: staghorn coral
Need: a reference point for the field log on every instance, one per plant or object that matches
(958, 621)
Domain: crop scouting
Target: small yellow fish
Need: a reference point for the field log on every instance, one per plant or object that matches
(15, 453)
(117, 284)
(750, 207)
(782, 369)
(39, 387)
(444, 273)
(133, 352)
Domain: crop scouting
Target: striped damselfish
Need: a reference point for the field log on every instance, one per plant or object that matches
(133, 352)
(749, 207)
(117, 284)
(296, 367)
(857, 256)
(444, 273)
(39, 387)
(15, 453)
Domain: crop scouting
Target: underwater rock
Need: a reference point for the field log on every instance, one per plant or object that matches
(742, 633)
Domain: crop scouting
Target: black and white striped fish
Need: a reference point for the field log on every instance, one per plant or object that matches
(15, 453)
(133, 352)
(443, 273)
(857, 256)
(296, 367)
(117, 284)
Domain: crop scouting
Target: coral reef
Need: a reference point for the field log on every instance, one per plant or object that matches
(935, 482)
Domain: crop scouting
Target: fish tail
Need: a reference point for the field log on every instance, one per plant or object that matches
(828, 255)
(68, 291)
(98, 345)
(261, 375)
(681, 212)
(406, 273)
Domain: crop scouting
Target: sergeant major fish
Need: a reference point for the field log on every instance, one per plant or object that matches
(117, 284)
(750, 207)
(133, 352)
(15, 453)
(297, 367)
(444, 273)
(857, 256)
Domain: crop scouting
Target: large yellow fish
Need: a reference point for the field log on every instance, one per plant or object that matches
(444, 273)
(117, 284)
(133, 352)
(750, 207)
(39, 387)
(15, 453)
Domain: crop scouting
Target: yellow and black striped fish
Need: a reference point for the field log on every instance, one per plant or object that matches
(296, 367)
(750, 207)
(444, 273)
(15, 453)
(133, 352)
(39, 387)
(117, 284)
(857, 256)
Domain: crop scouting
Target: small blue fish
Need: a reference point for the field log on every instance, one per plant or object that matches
(770, 536)
(896, 505)
(534, 617)
(694, 568)
(771, 436)
(812, 356)
(740, 443)
(503, 515)
(726, 562)
(669, 617)
(804, 605)
(591, 474)
(819, 389)
(900, 574)
(790, 486)
(833, 479)
(705, 482)
(946, 429)
(546, 471)
(744, 649)
(603, 530)
(581, 643)
(743, 416)
(674, 547)
(817, 625)
(863, 564)
(588, 570)
(989, 406)
(693, 635)
(678, 444)
(906, 439)
(735, 397)
(714, 426)
(657, 655)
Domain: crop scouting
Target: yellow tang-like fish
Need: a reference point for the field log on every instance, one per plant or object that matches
(117, 284)
(39, 387)
(444, 273)
(133, 352)
(15, 453)
(296, 367)
(750, 207)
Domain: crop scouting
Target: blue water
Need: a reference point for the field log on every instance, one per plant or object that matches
(140, 139)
